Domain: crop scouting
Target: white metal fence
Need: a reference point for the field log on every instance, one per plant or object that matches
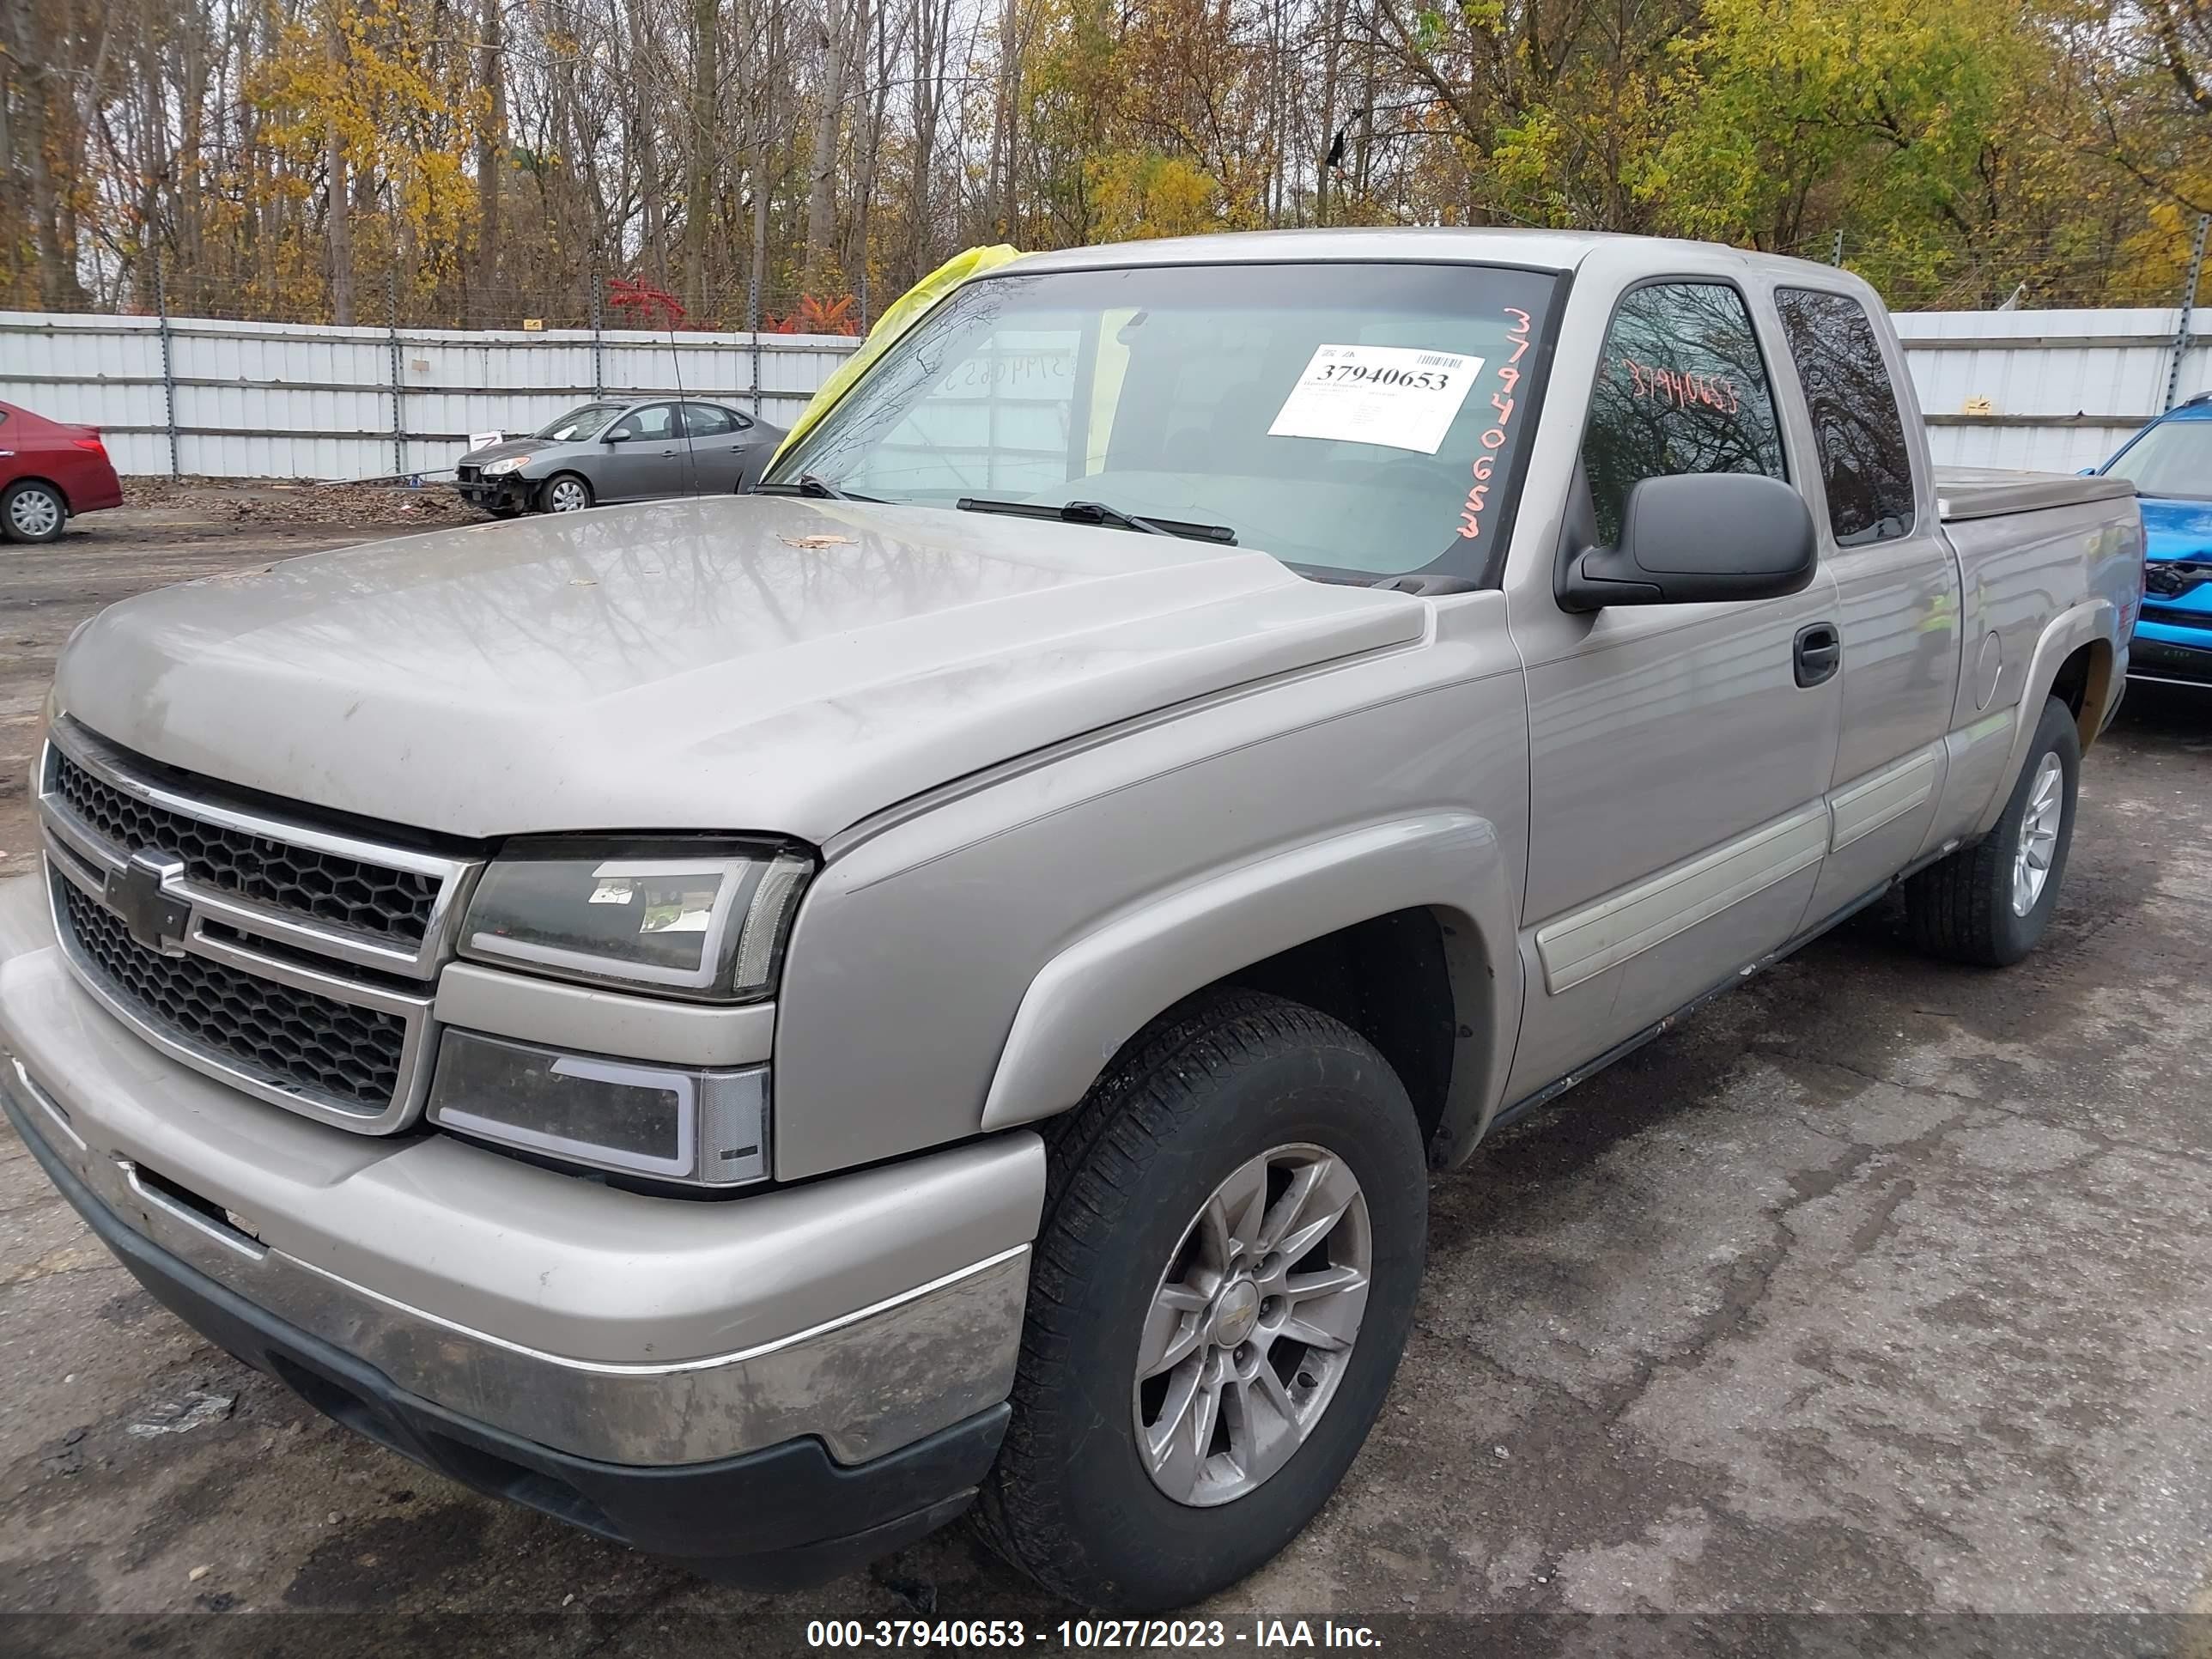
(2052, 390)
(231, 399)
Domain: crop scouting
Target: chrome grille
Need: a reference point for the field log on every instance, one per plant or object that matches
(292, 1039)
(327, 886)
(291, 958)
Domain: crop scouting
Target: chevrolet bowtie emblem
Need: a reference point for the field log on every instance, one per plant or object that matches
(150, 915)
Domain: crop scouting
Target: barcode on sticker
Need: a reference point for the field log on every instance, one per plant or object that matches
(1436, 360)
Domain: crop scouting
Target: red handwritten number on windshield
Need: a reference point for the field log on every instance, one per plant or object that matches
(1501, 401)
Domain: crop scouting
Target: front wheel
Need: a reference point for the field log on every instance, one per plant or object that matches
(1222, 1286)
(567, 493)
(1992, 903)
(31, 512)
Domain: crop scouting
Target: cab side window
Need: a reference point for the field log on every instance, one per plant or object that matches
(1865, 464)
(1681, 388)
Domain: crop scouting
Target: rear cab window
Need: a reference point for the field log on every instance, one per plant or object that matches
(1858, 427)
(1681, 387)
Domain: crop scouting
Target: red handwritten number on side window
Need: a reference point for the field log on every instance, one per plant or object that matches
(1674, 386)
(1509, 377)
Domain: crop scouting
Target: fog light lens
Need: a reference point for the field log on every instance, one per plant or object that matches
(706, 1127)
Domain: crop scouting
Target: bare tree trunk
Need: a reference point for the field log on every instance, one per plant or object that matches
(636, 76)
(772, 54)
(868, 141)
(699, 149)
(1006, 202)
(491, 158)
(338, 197)
(58, 288)
(1332, 54)
(822, 186)
(932, 21)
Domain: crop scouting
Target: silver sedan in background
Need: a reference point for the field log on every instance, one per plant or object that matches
(615, 450)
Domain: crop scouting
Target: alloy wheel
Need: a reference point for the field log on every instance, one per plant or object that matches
(2039, 835)
(1252, 1324)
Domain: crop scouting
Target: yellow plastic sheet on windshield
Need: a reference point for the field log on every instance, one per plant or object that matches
(909, 308)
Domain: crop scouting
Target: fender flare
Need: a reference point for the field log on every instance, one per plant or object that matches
(2065, 633)
(1103, 987)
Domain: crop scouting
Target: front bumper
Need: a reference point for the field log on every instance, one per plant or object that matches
(606, 1332)
(509, 491)
(2166, 651)
(783, 1516)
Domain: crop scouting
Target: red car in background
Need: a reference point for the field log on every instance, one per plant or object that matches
(50, 471)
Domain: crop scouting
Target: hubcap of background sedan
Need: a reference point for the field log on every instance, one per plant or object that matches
(567, 496)
(2039, 835)
(1251, 1326)
(35, 513)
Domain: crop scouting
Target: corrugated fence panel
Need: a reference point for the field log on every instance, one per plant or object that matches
(292, 401)
(2054, 390)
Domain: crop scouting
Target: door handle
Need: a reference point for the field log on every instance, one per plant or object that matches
(1817, 653)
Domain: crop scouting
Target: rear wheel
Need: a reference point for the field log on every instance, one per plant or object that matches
(31, 512)
(1221, 1288)
(1992, 903)
(565, 492)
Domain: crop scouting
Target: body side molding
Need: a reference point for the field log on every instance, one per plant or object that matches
(1629, 920)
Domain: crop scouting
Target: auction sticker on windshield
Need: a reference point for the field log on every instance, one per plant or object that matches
(1367, 394)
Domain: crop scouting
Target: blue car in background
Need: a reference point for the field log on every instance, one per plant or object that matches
(2170, 463)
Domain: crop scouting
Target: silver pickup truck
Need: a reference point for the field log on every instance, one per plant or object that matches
(755, 1025)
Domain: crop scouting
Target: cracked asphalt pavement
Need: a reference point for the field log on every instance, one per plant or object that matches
(1879, 1286)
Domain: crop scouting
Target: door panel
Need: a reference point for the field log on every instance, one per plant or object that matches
(1897, 586)
(1678, 770)
(650, 462)
(719, 448)
(1676, 780)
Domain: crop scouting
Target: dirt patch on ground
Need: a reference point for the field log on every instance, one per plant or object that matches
(225, 503)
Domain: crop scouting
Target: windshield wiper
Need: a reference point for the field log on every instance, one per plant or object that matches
(1098, 513)
(820, 490)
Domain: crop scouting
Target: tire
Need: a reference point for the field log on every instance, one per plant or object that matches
(565, 492)
(1967, 907)
(1210, 1088)
(32, 511)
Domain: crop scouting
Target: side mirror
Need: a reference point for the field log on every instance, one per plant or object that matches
(1698, 536)
(617, 436)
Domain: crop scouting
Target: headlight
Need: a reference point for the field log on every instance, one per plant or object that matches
(700, 1127)
(699, 919)
(500, 469)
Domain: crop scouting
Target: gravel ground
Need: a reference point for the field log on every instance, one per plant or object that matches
(1879, 1287)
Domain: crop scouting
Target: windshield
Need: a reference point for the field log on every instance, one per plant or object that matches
(580, 423)
(2173, 459)
(1353, 418)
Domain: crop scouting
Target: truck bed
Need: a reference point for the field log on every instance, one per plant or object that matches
(1988, 492)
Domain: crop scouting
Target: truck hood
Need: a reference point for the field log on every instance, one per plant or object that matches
(731, 663)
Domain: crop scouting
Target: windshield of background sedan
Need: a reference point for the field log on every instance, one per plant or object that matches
(2173, 460)
(580, 423)
(1352, 418)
